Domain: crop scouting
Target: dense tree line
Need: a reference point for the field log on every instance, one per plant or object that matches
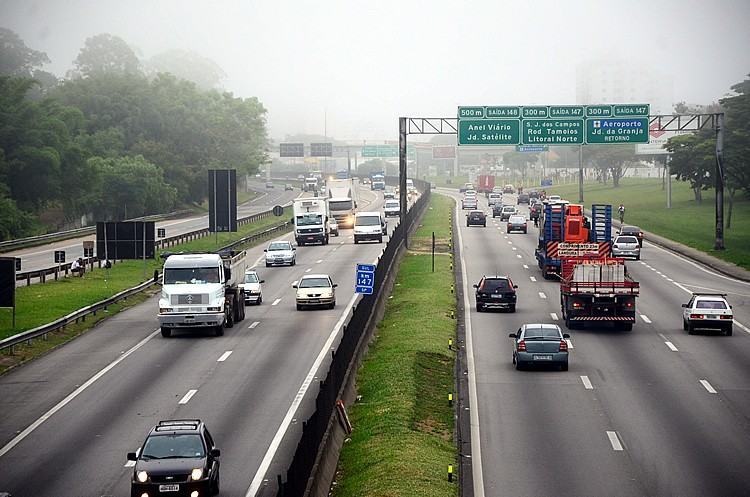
(113, 140)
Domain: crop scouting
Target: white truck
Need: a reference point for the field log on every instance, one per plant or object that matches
(342, 201)
(311, 220)
(311, 184)
(201, 290)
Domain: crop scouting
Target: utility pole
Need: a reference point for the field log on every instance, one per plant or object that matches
(719, 183)
(668, 180)
(580, 174)
(403, 199)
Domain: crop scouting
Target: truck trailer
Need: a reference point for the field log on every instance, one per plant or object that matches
(342, 201)
(311, 220)
(201, 290)
(486, 183)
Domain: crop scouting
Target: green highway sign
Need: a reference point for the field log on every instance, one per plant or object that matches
(640, 110)
(552, 131)
(470, 112)
(614, 130)
(503, 112)
(387, 151)
(533, 112)
(532, 148)
(560, 111)
(370, 151)
(599, 111)
(489, 131)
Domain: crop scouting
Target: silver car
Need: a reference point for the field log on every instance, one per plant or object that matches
(626, 246)
(280, 253)
(540, 344)
(251, 287)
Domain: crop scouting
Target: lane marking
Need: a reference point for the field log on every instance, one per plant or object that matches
(616, 445)
(255, 323)
(587, 383)
(542, 295)
(276, 302)
(708, 386)
(717, 290)
(188, 396)
(224, 356)
(671, 346)
(570, 343)
(308, 270)
(519, 256)
(747, 330)
(698, 266)
(532, 278)
(341, 243)
(682, 287)
(257, 480)
(553, 315)
(510, 243)
(318, 261)
(515, 248)
(33, 426)
(525, 266)
(645, 318)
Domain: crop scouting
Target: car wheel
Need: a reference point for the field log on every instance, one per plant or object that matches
(519, 365)
(260, 299)
(356, 241)
(684, 325)
(480, 307)
(484, 225)
(166, 332)
(294, 261)
(728, 330)
(215, 487)
(268, 265)
(467, 224)
(299, 307)
(690, 329)
(380, 240)
(333, 305)
(564, 366)
(637, 257)
(512, 308)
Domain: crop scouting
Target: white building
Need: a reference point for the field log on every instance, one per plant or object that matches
(614, 80)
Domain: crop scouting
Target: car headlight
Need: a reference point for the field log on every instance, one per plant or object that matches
(165, 309)
(142, 476)
(213, 309)
(196, 474)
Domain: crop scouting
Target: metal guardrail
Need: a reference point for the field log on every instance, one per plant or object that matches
(80, 314)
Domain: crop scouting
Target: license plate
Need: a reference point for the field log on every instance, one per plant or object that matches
(542, 357)
(497, 296)
(189, 319)
(314, 301)
(169, 488)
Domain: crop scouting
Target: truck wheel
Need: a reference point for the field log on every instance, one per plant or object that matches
(626, 326)
(229, 318)
(219, 331)
(166, 332)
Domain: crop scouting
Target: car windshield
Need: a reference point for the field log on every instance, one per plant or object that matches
(517, 219)
(309, 219)
(315, 283)
(390, 205)
(340, 205)
(251, 278)
(476, 213)
(191, 275)
(173, 447)
(368, 221)
(491, 284)
(630, 230)
(532, 333)
(279, 246)
(509, 209)
(626, 239)
(710, 304)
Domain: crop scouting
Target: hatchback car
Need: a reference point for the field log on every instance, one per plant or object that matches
(495, 292)
(517, 223)
(179, 457)
(476, 218)
(508, 210)
(467, 186)
(626, 246)
(280, 253)
(709, 311)
(497, 210)
(251, 288)
(269, 184)
(494, 198)
(288, 188)
(333, 226)
(508, 189)
(633, 231)
(469, 203)
(392, 208)
(540, 344)
(523, 198)
(315, 290)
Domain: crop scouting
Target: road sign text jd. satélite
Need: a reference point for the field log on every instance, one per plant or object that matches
(365, 279)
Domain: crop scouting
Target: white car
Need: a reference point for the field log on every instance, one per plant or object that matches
(333, 226)
(251, 287)
(494, 198)
(508, 210)
(469, 203)
(707, 310)
(280, 253)
(554, 199)
(392, 208)
(369, 226)
(315, 290)
(626, 246)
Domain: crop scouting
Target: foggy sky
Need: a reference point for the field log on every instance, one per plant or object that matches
(365, 63)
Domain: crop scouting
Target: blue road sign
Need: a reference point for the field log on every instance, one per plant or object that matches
(532, 148)
(365, 282)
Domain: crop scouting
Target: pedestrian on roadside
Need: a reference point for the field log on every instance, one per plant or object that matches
(621, 210)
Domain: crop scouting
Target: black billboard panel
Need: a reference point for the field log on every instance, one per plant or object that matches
(7, 281)
(222, 200)
(321, 149)
(291, 149)
(125, 240)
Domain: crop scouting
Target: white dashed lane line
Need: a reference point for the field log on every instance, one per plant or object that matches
(525, 266)
(276, 302)
(645, 319)
(542, 295)
(308, 270)
(515, 248)
(188, 396)
(519, 256)
(224, 356)
(742, 326)
(532, 278)
(256, 323)
(587, 383)
(708, 386)
(570, 343)
(553, 315)
(318, 261)
(616, 445)
(671, 346)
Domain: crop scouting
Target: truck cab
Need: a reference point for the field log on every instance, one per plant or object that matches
(311, 220)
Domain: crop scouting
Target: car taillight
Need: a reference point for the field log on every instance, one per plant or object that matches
(563, 346)
(509, 226)
(696, 316)
(521, 346)
(629, 303)
(577, 305)
(726, 317)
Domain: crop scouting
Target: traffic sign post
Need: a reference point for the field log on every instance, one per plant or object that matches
(365, 282)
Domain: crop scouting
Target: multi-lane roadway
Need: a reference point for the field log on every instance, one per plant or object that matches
(653, 411)
(70, 417)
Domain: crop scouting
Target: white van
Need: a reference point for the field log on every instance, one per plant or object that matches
(369, 226)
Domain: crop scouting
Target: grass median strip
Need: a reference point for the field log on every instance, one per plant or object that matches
(402, 441)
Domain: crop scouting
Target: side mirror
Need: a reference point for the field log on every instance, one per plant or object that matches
(335, 285)
(684, 305)
(294, 285)
(475, 286)
(294, 248)
(515, 286)
(262, 281)
(566, 335)
(215, 453)
(265, 250)
(511, 335)
(132, 456)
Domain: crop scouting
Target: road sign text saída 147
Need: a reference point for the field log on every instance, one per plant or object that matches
(365, 282)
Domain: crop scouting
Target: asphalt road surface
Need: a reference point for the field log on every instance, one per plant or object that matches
(70, 417)
(653, 411)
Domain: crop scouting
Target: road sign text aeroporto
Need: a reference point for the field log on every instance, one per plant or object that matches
(553, 124)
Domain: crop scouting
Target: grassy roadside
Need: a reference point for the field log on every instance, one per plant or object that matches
(43, 303)
(402, 441)
(686, 222)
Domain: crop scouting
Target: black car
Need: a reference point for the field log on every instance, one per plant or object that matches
(534, 194)
(523, 198)
(179, 457)
(476, 218)
(633, 231)
(495, 292)
(497, 209)
(535, 211)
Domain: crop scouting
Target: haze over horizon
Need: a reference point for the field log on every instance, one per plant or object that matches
(354, 68)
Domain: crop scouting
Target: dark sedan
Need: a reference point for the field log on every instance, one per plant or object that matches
(495, 292)
(633, 231)
(476, 218)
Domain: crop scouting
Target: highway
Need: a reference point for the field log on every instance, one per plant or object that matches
(73, 414)
(653, 411)
(41, 257)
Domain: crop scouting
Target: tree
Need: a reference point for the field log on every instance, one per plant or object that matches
(16, 59)
(693, 160)
(204, 72)
(105, 54)
(611, 160)
(520, 161)
(737, 142)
